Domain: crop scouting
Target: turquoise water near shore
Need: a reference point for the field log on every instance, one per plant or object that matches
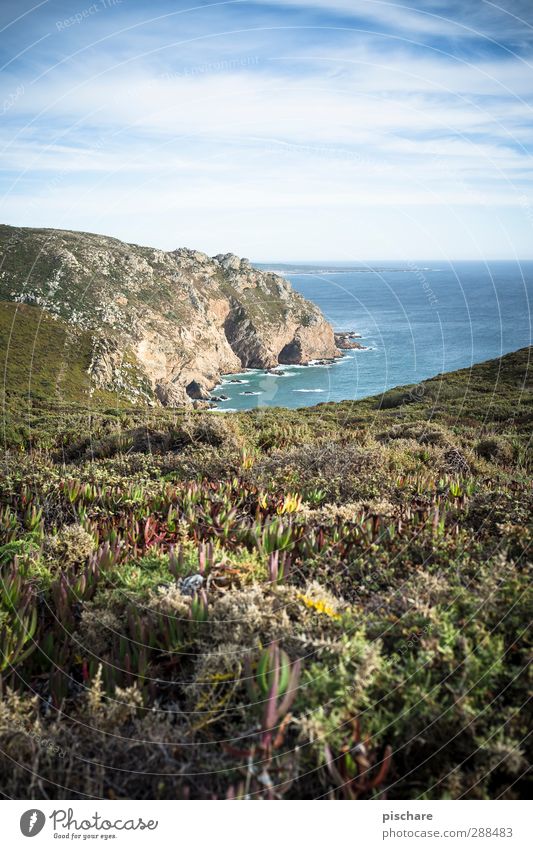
(416, 320)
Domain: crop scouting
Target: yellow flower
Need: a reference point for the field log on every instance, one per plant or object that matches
(291, 503)
(319, 606)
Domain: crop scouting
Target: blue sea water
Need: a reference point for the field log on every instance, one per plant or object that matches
(416, 320)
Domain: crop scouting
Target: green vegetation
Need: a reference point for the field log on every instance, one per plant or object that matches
(44, 366)
(43, 357)
(329, 602)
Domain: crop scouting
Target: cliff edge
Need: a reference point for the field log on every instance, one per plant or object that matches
(160, 326)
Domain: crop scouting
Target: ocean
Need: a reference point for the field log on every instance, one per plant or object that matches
(416, 320)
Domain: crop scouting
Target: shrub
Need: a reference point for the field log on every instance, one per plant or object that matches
(495, 448)
(392, 400)
(70, 547)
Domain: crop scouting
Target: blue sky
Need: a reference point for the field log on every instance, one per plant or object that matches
(317, 129)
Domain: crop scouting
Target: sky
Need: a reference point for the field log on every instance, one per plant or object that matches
(348, 130)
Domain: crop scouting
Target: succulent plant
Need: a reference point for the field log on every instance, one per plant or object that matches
(18, 618)
(357, 770)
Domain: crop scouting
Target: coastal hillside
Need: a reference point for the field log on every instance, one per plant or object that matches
(277, 604)
(90, 315)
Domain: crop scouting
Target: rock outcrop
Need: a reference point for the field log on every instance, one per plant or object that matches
(166, 325)
(346, 342)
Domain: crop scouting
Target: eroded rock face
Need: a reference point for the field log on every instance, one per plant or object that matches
(166, 325)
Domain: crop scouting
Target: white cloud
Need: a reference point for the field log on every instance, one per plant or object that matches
(250, 153)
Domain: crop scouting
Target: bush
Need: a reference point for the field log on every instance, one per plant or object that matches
(495, 448)
(393, 399)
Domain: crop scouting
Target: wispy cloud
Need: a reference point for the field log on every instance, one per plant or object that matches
(269, 128)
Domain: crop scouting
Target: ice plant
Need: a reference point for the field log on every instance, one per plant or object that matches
(273, 680)
(356, 769)
(199, 611)
(278, 567)
(273, 536)
(276, 682)
(18, 631)
(290, 504)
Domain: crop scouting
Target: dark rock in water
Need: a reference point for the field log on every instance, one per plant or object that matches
(224, 397)
(248, 393)
(235, 380)
(344, 341)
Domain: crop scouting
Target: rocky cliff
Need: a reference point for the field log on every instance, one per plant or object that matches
(163, 325)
